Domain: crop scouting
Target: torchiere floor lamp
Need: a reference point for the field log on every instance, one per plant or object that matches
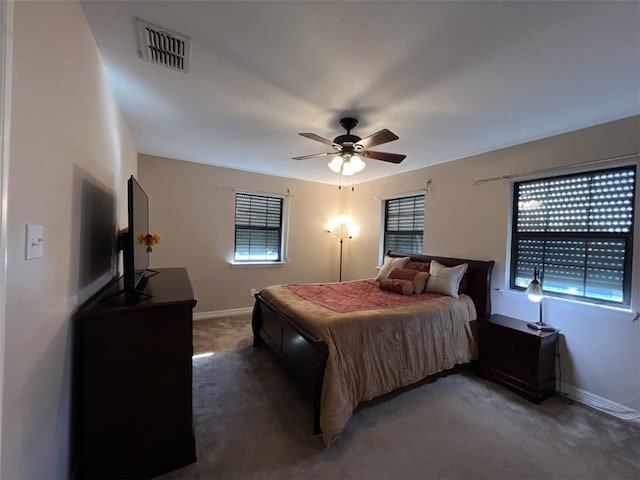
(345, 229)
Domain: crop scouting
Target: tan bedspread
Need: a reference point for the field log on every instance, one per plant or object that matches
(372, 352)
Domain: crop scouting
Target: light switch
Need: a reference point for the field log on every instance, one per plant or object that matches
(35, 242)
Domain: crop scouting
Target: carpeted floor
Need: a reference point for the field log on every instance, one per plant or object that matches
(251, 422)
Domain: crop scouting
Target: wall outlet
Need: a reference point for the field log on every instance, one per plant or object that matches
(254, 291)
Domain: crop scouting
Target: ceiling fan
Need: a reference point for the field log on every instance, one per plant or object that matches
(347, 149)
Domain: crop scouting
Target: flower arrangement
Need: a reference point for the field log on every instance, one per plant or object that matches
(150, 239)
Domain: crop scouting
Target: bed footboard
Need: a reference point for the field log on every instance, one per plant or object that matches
(303, 355)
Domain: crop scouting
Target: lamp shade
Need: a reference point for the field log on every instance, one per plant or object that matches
(534, 289)
(335, 165)
(356, 164)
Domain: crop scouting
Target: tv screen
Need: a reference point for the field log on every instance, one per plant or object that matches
(98, 243)
(136, 257)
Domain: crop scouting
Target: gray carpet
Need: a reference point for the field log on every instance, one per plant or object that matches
(251, 422)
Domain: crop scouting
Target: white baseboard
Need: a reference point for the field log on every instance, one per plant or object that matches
(603, 404)
(222, 313)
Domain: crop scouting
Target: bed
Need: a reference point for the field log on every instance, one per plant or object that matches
(344, 352)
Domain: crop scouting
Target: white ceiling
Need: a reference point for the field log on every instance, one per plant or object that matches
(451, 79)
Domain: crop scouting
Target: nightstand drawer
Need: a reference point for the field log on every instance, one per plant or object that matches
(512, 353)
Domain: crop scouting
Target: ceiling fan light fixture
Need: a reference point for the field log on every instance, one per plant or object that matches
(335, 165)
(347, 171)
(357, 165)
(347, 168)
(346, 164)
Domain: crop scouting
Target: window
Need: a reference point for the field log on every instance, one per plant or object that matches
(578, 229)
(258, 228)
(404, 224)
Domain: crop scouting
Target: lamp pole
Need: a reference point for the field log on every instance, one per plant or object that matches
(341, 236)
(340, 277)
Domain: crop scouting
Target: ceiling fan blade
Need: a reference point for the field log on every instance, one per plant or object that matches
(318, 138)
(378, 138)
(384, 156)
(314, 155)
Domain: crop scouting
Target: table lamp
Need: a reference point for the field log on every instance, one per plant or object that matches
(535, 294)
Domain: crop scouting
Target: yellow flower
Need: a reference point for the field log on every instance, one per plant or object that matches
(149, 240)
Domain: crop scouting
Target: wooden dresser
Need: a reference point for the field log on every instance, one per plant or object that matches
(132, 406)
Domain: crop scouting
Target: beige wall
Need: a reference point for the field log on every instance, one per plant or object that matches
(69, 149)
(600, 347)
(193, 205)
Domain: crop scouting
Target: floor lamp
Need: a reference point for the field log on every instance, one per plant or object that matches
(535, 294)
(341, 235)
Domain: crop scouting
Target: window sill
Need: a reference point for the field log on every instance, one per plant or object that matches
(257, 264)
(616, 313)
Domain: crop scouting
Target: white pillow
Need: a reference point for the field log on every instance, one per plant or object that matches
(445, 280)
(389, 263)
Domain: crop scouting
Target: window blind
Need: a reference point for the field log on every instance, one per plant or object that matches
(404, 224)
(258, 228)
(578, 229)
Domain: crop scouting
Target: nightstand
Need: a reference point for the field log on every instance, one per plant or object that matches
(516, 356)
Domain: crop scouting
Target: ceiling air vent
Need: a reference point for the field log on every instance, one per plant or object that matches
(164, 47)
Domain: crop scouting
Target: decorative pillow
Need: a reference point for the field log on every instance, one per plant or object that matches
(389, 263)
(445, 280)
(419, 266)
(397, 285)
(419, 279)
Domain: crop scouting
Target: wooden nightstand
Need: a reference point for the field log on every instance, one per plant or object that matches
(517, 356)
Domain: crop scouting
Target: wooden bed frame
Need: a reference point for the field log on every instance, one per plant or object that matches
(305, 356)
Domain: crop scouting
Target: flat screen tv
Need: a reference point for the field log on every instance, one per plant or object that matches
(135, 255)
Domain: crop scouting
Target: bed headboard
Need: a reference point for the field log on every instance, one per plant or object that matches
(478, 277)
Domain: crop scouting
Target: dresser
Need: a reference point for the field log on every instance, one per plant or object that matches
(132, 381)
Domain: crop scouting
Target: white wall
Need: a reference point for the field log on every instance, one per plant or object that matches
(600, 348)
(193, 206)
(68, 143)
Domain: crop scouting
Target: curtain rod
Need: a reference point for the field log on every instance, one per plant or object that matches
(476, 183)
(257, 192)
(426, 189)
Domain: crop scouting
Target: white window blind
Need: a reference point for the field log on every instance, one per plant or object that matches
(404, 224)
(258, 228)
(578, 229)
